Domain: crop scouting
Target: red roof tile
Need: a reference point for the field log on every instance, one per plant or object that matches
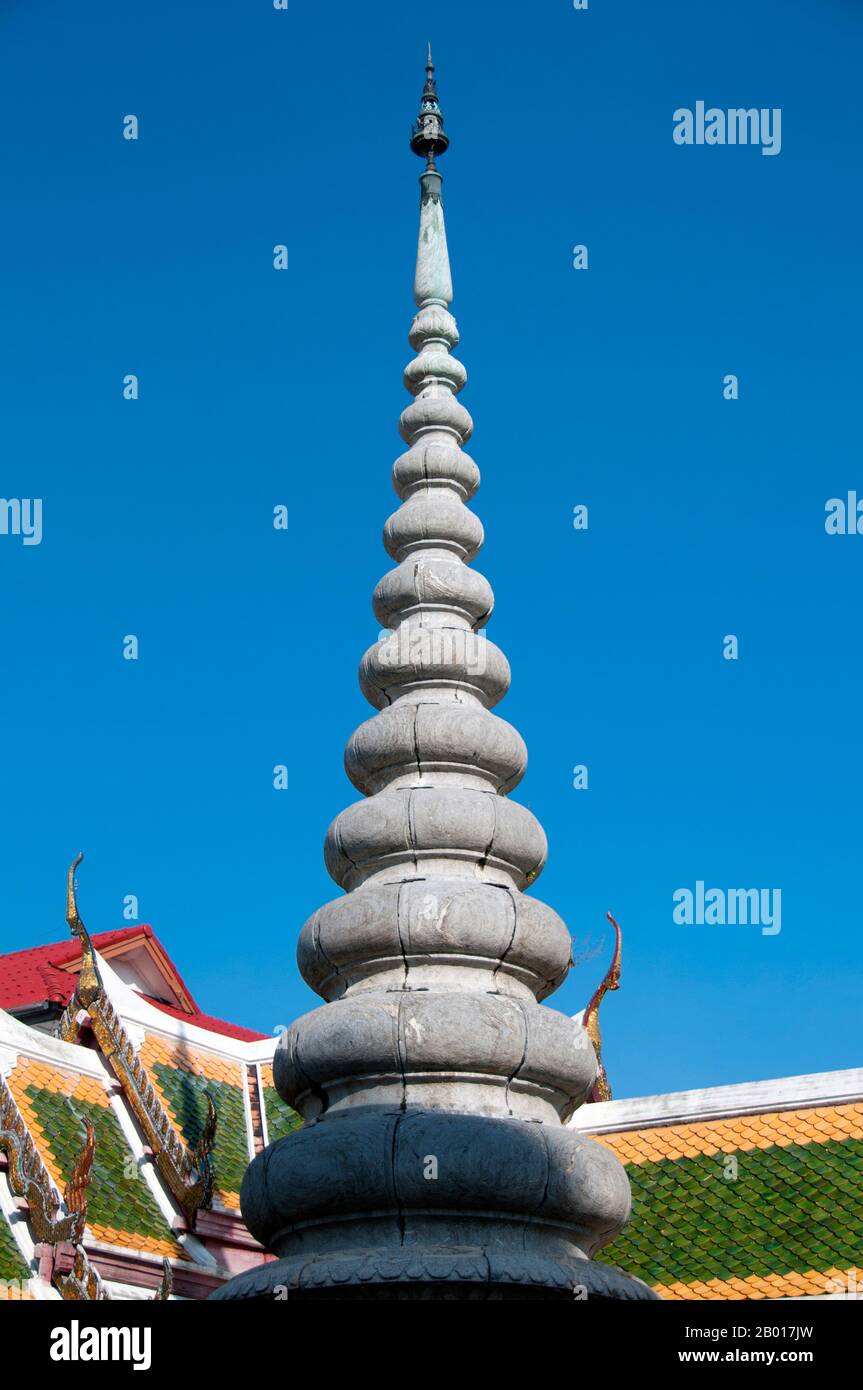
(29, 977)
(36, 975)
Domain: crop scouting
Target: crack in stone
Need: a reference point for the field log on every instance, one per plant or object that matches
(509, 1080)
(319, 950)
(416, 742)
(400, 1054)
(313, 1086)
(400, 1217)
(487, 851)
(511, 895)
(341, 848)
(399, 931)
(412, 832)
(542, 1201)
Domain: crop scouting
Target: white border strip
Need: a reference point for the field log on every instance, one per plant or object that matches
(721, 1102)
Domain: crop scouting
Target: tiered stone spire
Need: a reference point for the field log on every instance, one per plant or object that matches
(434, 1159)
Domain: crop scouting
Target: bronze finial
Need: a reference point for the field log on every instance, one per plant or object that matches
(601, 1089)
(428, 136)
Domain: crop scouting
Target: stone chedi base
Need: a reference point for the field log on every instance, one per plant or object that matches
(434, 1162)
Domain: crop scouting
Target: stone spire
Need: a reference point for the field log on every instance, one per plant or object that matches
(434, 1160)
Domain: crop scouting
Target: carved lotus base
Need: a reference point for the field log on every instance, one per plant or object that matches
(441, 1272)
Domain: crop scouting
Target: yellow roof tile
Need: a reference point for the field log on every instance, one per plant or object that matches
(755, 1287)
(708, 1137)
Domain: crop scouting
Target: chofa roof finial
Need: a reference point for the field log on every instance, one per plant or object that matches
(89, 980)
(601, 1087)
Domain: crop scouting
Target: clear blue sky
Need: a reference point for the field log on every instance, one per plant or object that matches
(605, 387)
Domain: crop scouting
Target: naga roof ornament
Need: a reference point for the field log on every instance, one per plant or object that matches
(601, 1089)
(166, 1284)
(82, 1283)
(190, 1175)
(29, 1178)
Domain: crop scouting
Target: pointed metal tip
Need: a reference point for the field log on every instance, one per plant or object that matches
(428, 137)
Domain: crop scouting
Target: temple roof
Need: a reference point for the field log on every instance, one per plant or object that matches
(47, 974)
(751, 1191)
(144, 1077)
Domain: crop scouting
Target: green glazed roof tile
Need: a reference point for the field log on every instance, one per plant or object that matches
(185, 1093)
(13, 1267)
(796, 1208)
(281, 1119)
(117, 1196)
